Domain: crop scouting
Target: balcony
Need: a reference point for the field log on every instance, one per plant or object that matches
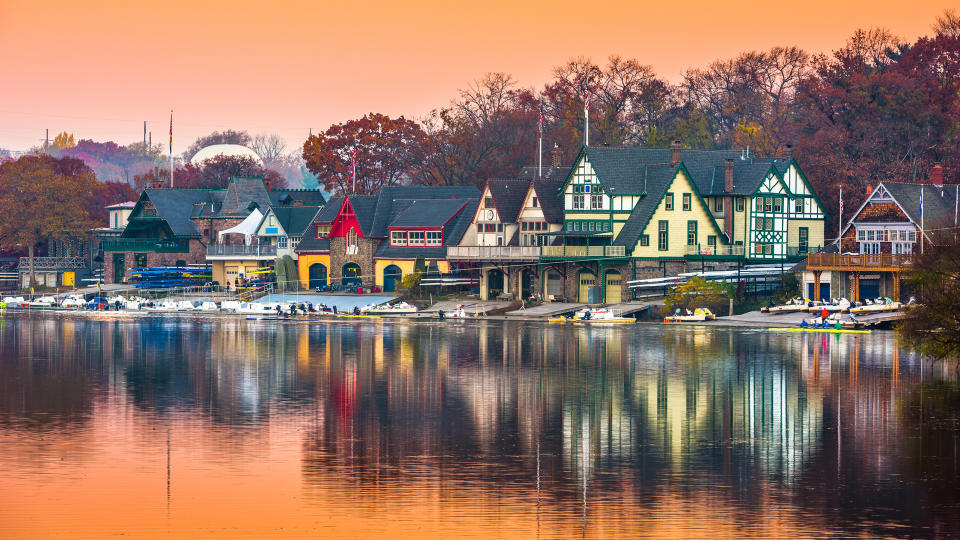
(877, 263)
(152, 245)
(54, 263)
(719, 252)
(493, 253)
(220, 252)
(582, 252)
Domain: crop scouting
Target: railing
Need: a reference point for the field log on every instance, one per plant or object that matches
(581, 252)
(493, 252)
(220, 250)
(716, 251)
(146, 244)
(861, 261)
(54, 263)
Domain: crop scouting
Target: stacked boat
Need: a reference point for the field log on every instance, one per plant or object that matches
(594, 316)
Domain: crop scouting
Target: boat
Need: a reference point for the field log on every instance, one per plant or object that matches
(399, 307)
(231, 306)
(879, 305)
(207, 306)
(791, 306)
(697, 315)
(13, 301)
(42, 302)
(822, 330)
(594, 316)
(834, 305)
(73, 301)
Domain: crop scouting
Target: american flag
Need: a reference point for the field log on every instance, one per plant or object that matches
(841, 207)
(171, 132)
(353, 164)
(586, 100)
(540, 121)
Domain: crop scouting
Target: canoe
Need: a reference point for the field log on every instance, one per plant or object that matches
(821, 330)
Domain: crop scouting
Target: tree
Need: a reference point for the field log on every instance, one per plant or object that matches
(213, 173)
(44, 197)
(270, 148)
(932, 326)
(697, 293)
(948, 24)
(228, 136)
(388, 152)
(63, 140)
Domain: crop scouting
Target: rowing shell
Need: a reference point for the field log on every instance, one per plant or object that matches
(821, 330)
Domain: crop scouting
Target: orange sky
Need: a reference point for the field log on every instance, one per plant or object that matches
(98, 69)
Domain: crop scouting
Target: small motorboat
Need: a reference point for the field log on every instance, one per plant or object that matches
(230, 306)
(399, 307)
(697, 315)
(791, 306)
(73, 301)
(43, 302)
(879, 305)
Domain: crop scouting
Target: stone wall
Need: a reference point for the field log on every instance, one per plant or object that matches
(196, 255)
(364, 257)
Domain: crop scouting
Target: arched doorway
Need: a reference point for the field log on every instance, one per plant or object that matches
(495, 283)
(350, 276)
(317, 276)
(392, 276)
(553, 284)
(614, 287)
(587, 279)
(527, 283)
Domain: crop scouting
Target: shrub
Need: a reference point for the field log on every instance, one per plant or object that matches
(698, 293)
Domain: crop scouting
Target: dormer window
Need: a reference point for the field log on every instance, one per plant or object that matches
(398, 238)
(323, 231)
(416, 238)
(434, 238)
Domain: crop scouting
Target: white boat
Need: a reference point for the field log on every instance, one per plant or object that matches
(206, 306)
(163, 306)
(834, 305)
(13, 301)
(231, 306)
(43, 301)
(880, 305)
(791, 306)
(399, 307)
(697, 315)
(132, 305)
(73, 301)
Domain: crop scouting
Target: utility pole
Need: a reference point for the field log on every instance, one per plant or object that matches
(144, 132)
(46, 141)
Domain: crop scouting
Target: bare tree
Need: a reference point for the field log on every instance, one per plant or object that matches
(270, 147)
(948, 24)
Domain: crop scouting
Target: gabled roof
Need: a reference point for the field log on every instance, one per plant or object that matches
(306, 197)
(310, 243)
(657, 179)
(939, 206)
(242, 193)
(294, 219)
(330, 211)
(508, 195)
(621, 169)
(428, 213)
(175, 206)
(550, 198)
(453, 232)
(364, 209)
(383, 207)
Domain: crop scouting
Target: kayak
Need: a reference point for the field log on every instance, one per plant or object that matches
(821, 330)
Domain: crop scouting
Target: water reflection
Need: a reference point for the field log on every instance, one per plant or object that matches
(473, 429)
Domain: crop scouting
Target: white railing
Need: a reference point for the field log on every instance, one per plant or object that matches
(722, 251)
(220, 250)
(493, 252)
(582, 252)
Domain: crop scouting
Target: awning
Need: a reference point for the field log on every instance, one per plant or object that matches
(247, 227)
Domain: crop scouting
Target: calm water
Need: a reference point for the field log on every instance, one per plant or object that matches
(194, 428)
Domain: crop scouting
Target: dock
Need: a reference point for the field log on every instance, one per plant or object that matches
(545, 311)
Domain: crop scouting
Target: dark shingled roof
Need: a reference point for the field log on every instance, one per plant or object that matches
(939, 205)
(508, 195)
(452, 233)
(427, 213)
(311, 243)
(175, 206)
(295, 219)
(656, 179)
(287, 197)
(364, 208)
(551, 173)
(330, 211)
(241, 193)
(551, 201)
(384, 211)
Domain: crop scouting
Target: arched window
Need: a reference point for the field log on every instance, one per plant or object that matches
(352, 241)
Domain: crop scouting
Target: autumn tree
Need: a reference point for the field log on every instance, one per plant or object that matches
(44, 197)
(388, 152)
(228, 136)
(213, 173)
(932, 325)
(62, 140)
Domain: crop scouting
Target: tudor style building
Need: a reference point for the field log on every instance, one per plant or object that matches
(876, 246)
(632, 213)
(373, 240)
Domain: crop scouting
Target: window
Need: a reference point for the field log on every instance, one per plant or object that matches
(294, 241)
(351, 238)
(578, 202)
(718, 204)
(139, 260)
(282, 242)
(271, 222)
(798, 206)
(778, 204)
(535, 202)
(686, 202)
(712, 240)
(434, 238)
(592, 224)
(861, 235)
(691, 233)
(398, 238)
(663, 236)
(739, 204)
(323, 231)
(488, 202)
(668, 202)
(644, 239)
(415, 238)
(803, 239)
(758, 224)
(596, 202)
(767, 204)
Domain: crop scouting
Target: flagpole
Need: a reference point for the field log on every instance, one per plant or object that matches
(171, 147)
(586, 116)
(921, 220)
(540, 140)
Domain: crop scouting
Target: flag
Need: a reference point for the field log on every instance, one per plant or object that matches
(540, 120)
(841, 207)
(586, 100)
(171, 132)
(353, 165)
(921, 206)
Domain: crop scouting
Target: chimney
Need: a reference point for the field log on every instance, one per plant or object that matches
(788, 151)
(675, 148)
(266, 184)
(936, 175)
(158, 183)
(555, 155)
(728, 175)
(298, 202)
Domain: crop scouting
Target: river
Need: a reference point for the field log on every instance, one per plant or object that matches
(221, 428)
